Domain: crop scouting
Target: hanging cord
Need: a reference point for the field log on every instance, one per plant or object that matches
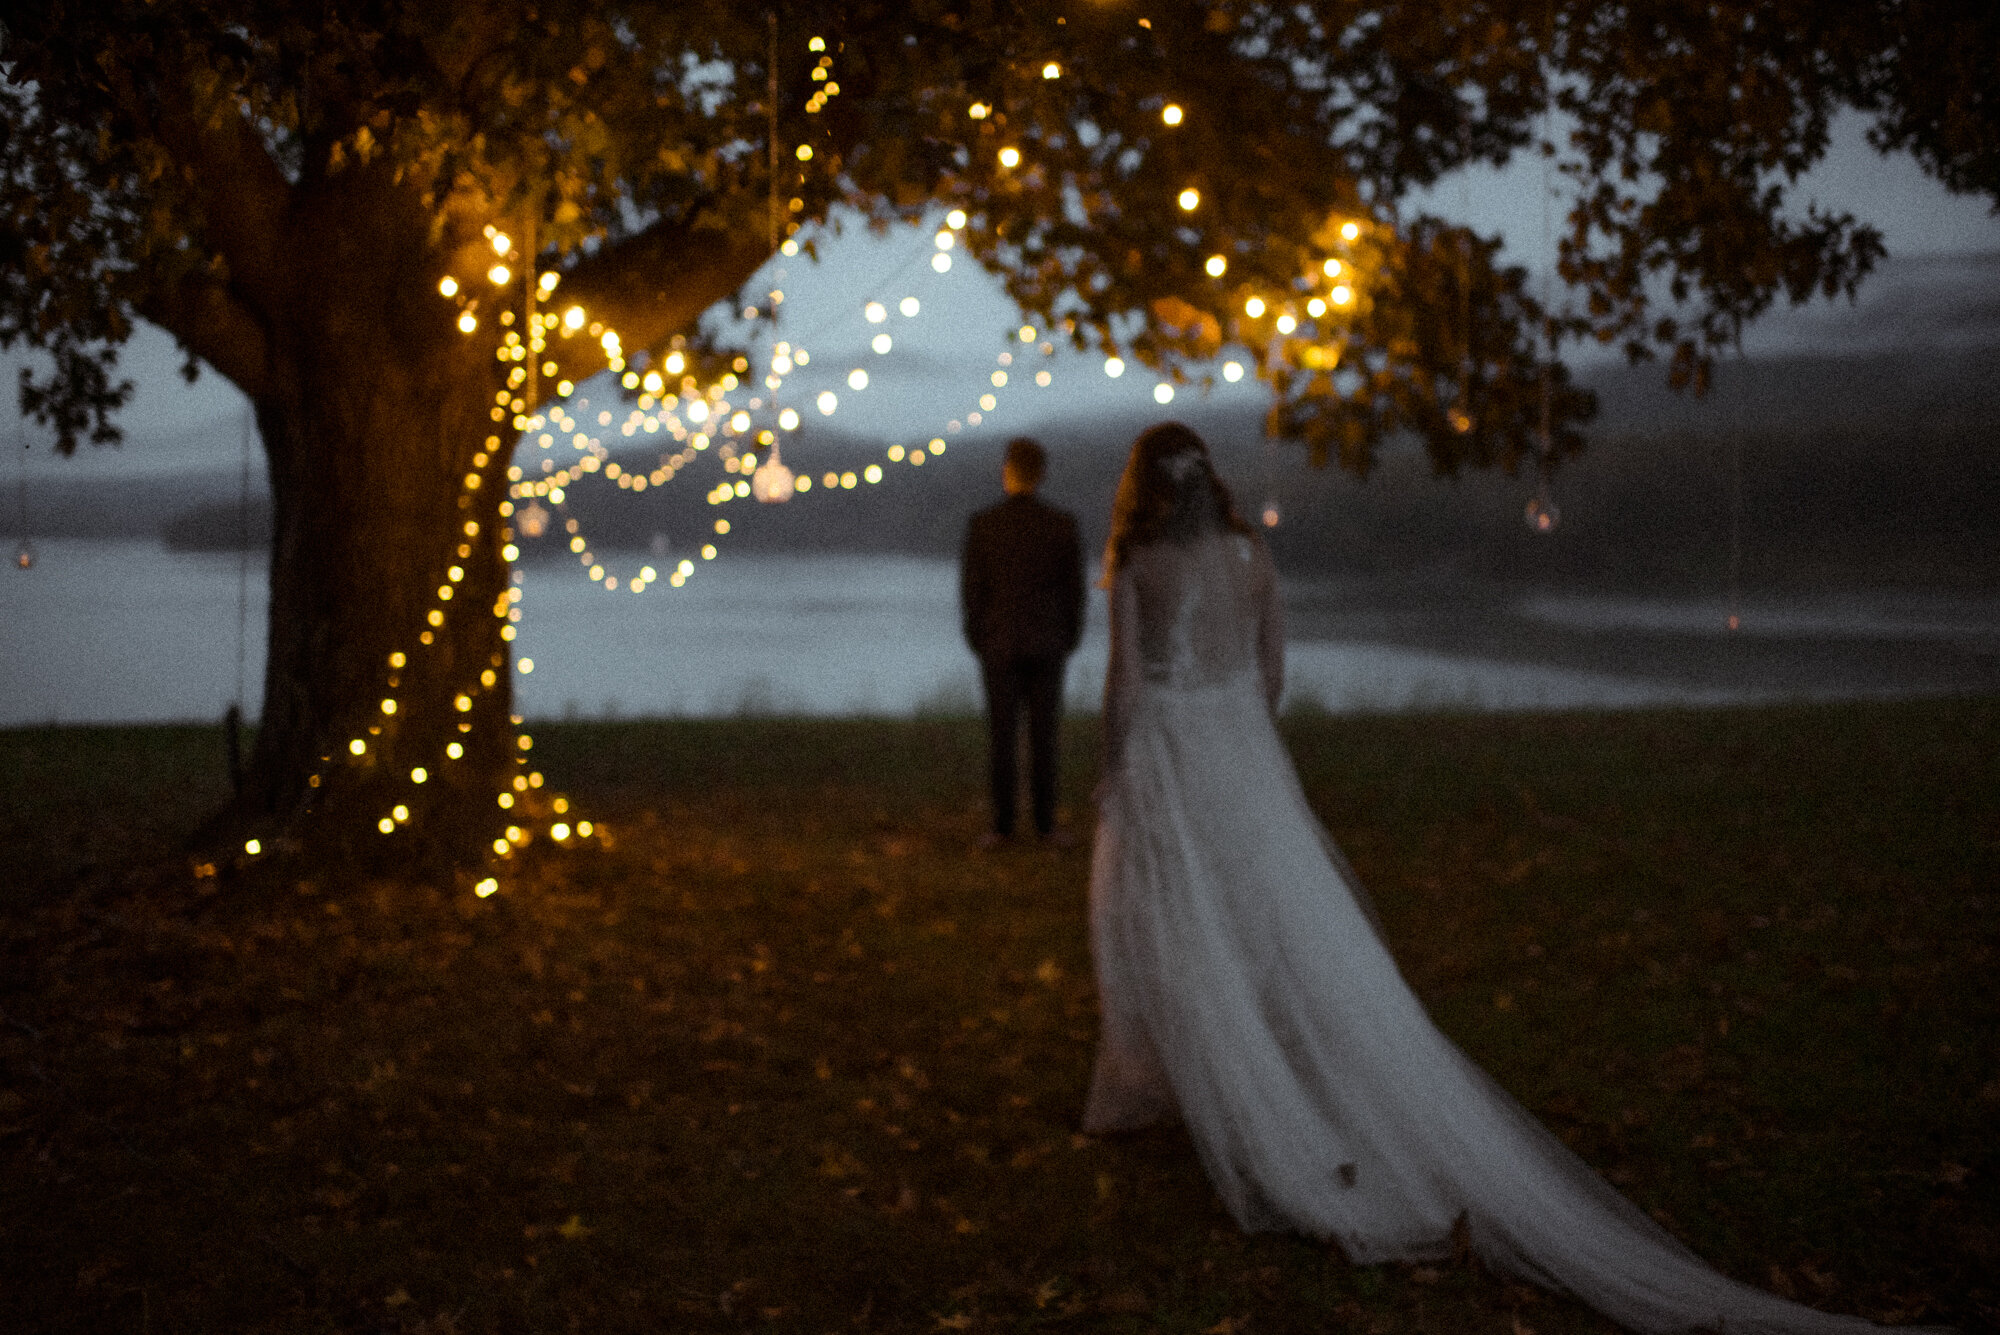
(1461, 417)
(243, 562)
(232, 718)
(1542, 514)
(1734, 617)
(24, 555)
(772, 482)
(771, 185)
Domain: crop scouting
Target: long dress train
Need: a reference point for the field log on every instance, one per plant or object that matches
(1243, 986)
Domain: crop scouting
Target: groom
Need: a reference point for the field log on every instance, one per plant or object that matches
(1020, 590)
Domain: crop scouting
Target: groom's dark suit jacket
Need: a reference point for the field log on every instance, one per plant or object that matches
(1020, 581)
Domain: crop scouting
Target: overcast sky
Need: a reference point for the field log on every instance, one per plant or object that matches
(942, 359)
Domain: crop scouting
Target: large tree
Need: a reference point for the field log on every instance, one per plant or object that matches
(287, 188)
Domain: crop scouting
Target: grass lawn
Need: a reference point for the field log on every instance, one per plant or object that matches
(788, 1053)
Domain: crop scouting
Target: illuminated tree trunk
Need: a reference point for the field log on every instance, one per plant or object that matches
(388, 584)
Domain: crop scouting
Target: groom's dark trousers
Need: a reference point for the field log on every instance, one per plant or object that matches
(1021, 594)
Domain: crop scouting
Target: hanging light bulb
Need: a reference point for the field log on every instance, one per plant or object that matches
(1542, 513)
(773, 483)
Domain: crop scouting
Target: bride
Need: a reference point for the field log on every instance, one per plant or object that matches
(1244, 985)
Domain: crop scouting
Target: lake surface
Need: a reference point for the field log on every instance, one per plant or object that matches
(103, 632)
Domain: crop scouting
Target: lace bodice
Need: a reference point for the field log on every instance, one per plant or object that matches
(1187, 615)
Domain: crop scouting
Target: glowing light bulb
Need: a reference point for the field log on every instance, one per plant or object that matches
(1052, 70)
(400, 812)
(1114, 367)
(499, 274)
(386, 826)
(448, 286)
(573, 318)
(857, 379)
(955, 219)
(676, 363)
(816, 44)
(252, 847)
(979, 111)
(1163, 393)
(909, 306)
(559, 831)
(944, 240)
(1217, 265)
(1232, 371)
(1332, 268)
(875, 312)
(1010, 157)
(1349, 231)
(486, 887)
(653, 383)
(1189, 200)
(872, 473)
(941, 262)
(1172, 114)
(1341, 294)
(1270, 514)
(419, 774)
(1315, 308)
(1026, 333)
(805, 152)
(467, 322)
(388, 706)
(455, 751)
(502, 243)
(1286, 324)
(357, 747)
(547, 282)
(881, 343)
(827, 402)
(1542, 514)
(1254, 307)
(789, 419)
(527, 666)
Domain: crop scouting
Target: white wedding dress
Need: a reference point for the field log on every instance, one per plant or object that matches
(1245, 988)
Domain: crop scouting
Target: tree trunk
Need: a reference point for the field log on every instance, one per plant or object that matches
(388, 609)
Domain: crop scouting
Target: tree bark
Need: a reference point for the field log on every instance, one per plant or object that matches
(388, 585)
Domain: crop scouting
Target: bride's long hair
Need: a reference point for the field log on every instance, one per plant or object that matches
(1169, 493)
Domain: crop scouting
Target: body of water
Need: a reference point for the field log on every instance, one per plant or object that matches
(105, 632)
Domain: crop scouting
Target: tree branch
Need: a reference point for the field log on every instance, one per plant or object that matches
(240, 191)
(657, 283)
(215, 327)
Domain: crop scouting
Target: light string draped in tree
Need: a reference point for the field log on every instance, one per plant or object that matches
(556, 483)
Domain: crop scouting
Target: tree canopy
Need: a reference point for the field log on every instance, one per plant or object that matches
(158, 156)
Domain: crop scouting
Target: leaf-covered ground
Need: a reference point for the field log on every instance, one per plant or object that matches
(789, 1053)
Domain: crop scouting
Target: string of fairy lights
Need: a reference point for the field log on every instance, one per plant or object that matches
(738, 418)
